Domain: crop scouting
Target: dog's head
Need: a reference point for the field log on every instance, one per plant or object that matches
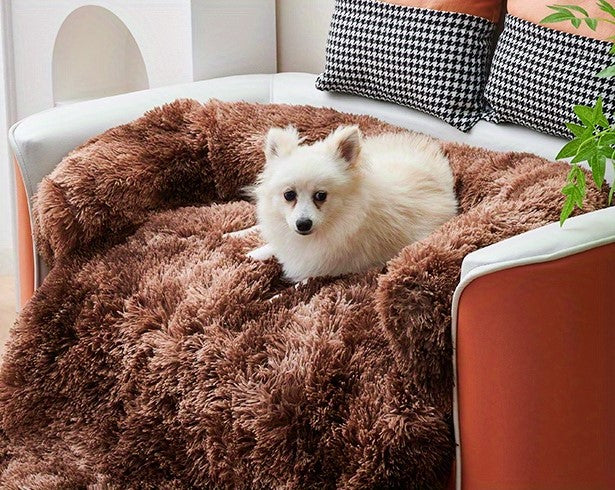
(308, 186)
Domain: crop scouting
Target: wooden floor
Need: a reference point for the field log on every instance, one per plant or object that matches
(7, 307)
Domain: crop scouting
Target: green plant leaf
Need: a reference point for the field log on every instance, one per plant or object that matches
(598, 166)
(577, 196)
(608, 72)
(557, 8)
(581, 184)
(607, 139)
(585, 114)
(598, 116)
(591, 23)
(606, 7)
(573, 7)
(570, 149)
(576, 129)
(588, 148)
(566, 210)
(574, 190)
(605, 151)
(612, 51)
(557, 17)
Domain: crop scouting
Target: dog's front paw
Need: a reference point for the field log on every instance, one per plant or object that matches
(262, 253)
(301, 283)
(241, 233)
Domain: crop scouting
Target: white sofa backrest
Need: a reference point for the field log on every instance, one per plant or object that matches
(42, 140)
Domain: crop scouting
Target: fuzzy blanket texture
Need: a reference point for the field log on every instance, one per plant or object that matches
(156, 355)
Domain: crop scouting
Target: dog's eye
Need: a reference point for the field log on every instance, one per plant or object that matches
(290, 195)
(320, 196)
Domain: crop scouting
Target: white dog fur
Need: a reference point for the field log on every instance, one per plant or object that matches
(382, 193)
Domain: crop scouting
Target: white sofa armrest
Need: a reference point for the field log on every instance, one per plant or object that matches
(40, 141)
(546, 243)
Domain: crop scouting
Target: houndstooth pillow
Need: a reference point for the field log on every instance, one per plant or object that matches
(538, 74)
(430, 60)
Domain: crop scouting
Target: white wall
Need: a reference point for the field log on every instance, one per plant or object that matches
(302, 34)
(6, 241)
(233, 38)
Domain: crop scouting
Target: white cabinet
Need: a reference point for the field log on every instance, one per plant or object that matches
(69, 50)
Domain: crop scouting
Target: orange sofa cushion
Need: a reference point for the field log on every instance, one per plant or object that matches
(487, 9)
(534, 11)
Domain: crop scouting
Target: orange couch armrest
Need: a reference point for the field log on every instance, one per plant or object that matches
(536, 375)
(25, 248)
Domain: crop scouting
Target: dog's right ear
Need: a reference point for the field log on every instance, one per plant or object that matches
(281, 142)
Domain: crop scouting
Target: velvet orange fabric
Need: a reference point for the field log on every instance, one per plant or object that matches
(535, 361)
(488, 9)
(25, 251)
(534, 11)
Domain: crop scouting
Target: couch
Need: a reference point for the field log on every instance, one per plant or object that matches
(532, 315)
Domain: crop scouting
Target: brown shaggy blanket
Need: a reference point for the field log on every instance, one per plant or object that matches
(156, 355)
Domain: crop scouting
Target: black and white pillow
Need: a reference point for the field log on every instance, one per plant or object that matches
(538, 74)
(430, 60)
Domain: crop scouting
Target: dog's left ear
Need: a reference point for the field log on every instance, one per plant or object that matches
(346, 142)
(281, 142)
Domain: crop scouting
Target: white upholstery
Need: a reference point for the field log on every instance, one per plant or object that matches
(296, 88)
(543, 244)
(42, 140)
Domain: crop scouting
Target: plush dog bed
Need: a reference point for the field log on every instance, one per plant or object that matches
(156, 355)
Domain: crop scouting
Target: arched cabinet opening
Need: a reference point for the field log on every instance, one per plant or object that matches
(95, 55)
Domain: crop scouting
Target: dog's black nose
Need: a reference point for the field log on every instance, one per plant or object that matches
(303, 225)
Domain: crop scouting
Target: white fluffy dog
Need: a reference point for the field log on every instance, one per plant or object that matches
(347, 203)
